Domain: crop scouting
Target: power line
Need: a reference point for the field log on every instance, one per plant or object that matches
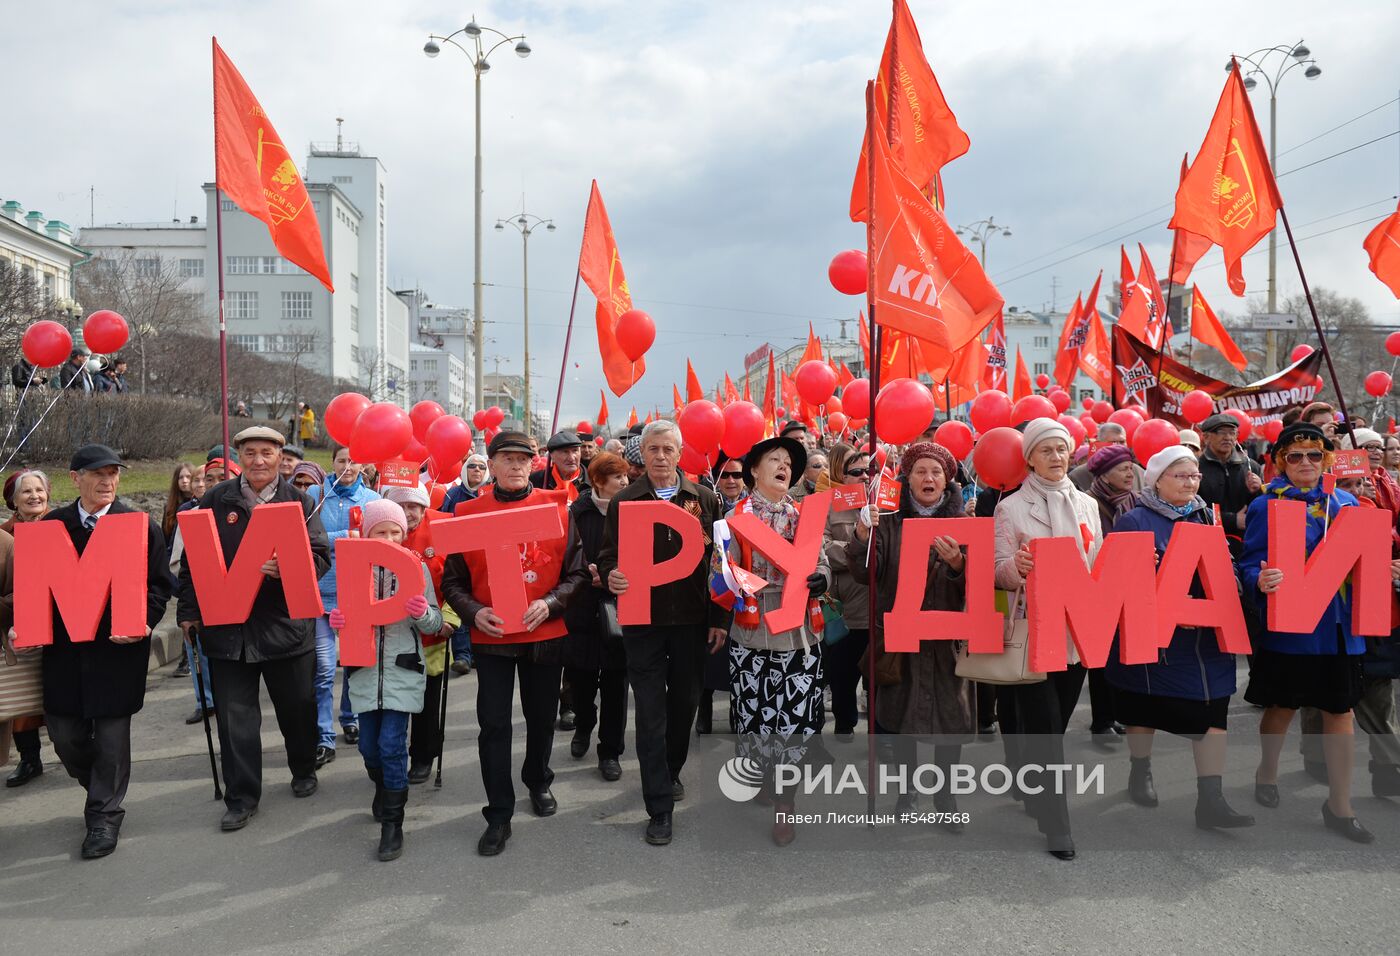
(1349, 149)
(1339, 126)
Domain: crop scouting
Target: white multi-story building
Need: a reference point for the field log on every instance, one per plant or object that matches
(435, 376)
(178, 245)
(41, 249)
(445, 328)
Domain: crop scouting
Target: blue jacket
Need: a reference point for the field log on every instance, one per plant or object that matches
(455, 496)
(1336, 619)
(335, 518)
(398, 678)
(1192, 666)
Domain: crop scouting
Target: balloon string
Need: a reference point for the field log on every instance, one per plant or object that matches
(33, 371)
(32, 430)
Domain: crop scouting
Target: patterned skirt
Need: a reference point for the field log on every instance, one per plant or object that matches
(777, 699)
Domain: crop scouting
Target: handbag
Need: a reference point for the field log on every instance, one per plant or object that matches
(608, 627)
(836, 626)
(1012, 666)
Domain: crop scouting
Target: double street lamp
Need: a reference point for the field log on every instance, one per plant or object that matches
(981, 231)
(526, 223)
(479, 54)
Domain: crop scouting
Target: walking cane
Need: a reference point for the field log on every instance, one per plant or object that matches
(442, 713)
(208, 734)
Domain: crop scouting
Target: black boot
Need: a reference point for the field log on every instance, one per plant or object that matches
(1140, 788)
(1211, 809)
(704, 715)
(391, 829)
(377, 807)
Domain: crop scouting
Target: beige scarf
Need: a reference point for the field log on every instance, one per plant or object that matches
(1057, 497)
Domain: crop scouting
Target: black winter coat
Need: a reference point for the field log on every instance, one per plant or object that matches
(585, 648)
(269, 633)
(1222, 483)
(98, 678)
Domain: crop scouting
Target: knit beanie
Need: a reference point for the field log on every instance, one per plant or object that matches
(380, 510)
(1164, 459)
(1108, 458)
(1038, 430)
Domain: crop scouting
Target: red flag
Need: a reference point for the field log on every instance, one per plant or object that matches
(1072, 338)
(770, 392)
(1144, 317)
(958, 384)
(995, 375)
(1125, 279)
(844, 376)
(649, 419)
(746, 387)
(791, 399)
(1023, 378)
(693, 391)
(1096, 358)
(922, 132)
(863, 328)
(632, 418)
(1187, 247)
(926, 282)
(676, 399)
(1383, 246)
(257, 172)
(1228, 196)
(731, 394)
(600, 266)
(813, 351)
(1206, 329)
(602, 410)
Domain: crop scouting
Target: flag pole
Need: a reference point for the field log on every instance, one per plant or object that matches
(1317, 324)
(219, 253)
(564, 362)
(876, 342)
(1167, 327)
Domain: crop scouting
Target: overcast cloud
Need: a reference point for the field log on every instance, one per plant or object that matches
(723, 137)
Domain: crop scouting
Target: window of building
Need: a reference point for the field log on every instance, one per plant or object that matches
(48, 285)
(227, 205)
(287, 343)
(145, 268)
(296, 305)
(355, 354)
(354, 282)
(241, 305)
(241, 265)
(1042, 342)
(354, 318)
(249, 343)
(1042, 368)
(287, 267)
(191, 268)
(342, 179)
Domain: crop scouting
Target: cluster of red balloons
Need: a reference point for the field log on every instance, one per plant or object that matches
(47, 343)
(379, 431)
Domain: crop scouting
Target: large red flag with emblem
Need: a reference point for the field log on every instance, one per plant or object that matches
(1206, 329)
(922, 132)
(1229, 196)
(257, 172)
(926, 282)
(1383, 246)
(1144, 317)
(600, 265)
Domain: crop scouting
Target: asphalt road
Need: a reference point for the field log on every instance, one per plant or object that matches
(302, 877)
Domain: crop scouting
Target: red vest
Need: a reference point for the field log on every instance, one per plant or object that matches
(419, 541)
(540, 562)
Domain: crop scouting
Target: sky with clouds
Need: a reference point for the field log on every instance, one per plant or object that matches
(723, 137)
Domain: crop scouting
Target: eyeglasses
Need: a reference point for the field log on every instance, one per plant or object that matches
(302, 484)
(1298, 457)
(857, 472)
(476, 464)
(1188, 476)
(731, 475)
(1373, 447)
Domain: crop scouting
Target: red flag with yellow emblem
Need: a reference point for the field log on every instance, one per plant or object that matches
(256, 171)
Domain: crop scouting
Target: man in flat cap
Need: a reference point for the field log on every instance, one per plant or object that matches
(92, 688)
(270, 645)
(1229, 477)
(565, 468)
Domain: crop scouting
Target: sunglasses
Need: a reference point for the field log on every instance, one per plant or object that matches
(476, 464)
(302, 484)
(734, 475)
(857, 472)
(1298, 457)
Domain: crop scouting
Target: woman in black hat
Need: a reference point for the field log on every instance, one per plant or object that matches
(776, 678)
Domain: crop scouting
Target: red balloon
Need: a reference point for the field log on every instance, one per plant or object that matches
(490, 433)
(634, 333)
(702, 425)
(1031, 407)
(584, 426)
(1299, 352)
(105, 332)
(1378, 384)
(1152, 437)
(494, 417)
(956, 437)
(449, 438)
(1392, 343)
(341, 415)
(836, 422)
(382, 431)
(1091, 427)
(422, 415)
(1042, 380)
(479, 419)
(1245, 422)
(779, 412)
(695, 462)
(743, 427)
(855, 398)
(1128, 419)
(990, 409)
(849, 272)
(1197, 406)
(815, 381)
(46, 343)
(416, 450)
(598, 441)
(1101, 411)
(1076, 429)
(998, 458)
(833, 405)
(1088, 403)
(1060, 400)
(1273, 429)
(903, 409)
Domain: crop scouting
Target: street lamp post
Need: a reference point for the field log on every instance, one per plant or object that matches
(526, 223)
(1287, 59)
(981, 231)
(479, 56)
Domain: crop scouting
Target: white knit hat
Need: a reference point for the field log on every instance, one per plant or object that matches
(1363, 435)
(1039, 429)
(1164, 459)
(417, 495)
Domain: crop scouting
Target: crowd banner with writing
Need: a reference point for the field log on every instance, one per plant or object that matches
(1146, 377)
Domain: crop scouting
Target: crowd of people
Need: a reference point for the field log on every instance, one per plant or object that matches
(575, 664)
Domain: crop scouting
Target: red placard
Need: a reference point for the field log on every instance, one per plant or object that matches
(887, 492)
(398, 473)
(796, 559)
(636, 560)
(848, 497)
(355, 561)
(979, 622)
(1351, 463)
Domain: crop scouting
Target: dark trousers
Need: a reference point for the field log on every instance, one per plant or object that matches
(664, 665)
(539, 700)
(986, 705)
(1100, 700)
(96, 752)
(1034, 726)
(27, 743)
(425, 737)
(291, 686)
(842, 662)
(600, 700)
